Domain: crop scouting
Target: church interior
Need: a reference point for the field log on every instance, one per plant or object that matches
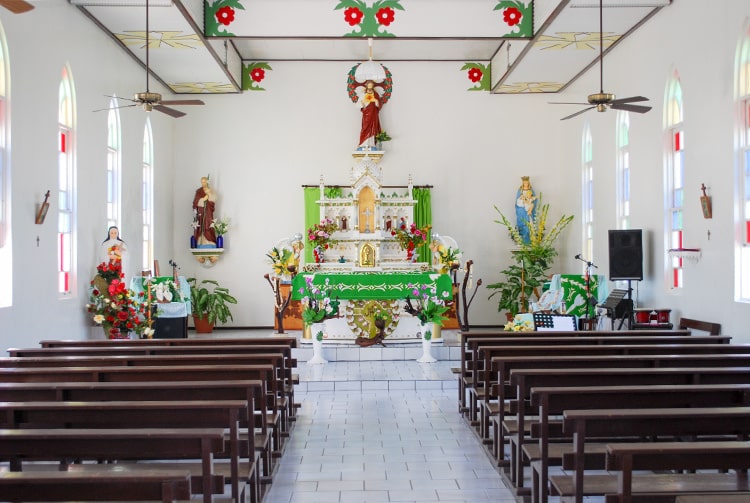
(432, 143)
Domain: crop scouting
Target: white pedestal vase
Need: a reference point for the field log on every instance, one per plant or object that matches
(427, 344)
(317, 358)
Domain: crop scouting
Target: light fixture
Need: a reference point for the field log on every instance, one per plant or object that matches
(370, 70)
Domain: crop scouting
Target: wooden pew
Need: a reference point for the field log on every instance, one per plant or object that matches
(703, 326)
(626, 458)
(167, 486)
(521, 383)
(190, 341)
(471, 364)
(285, 372)
(485, 405)
(634, 424)
(554, 401)
(469, 355)
(264, 373)
(143, 414)
(283, 402)
(126, 444)
(251, 391)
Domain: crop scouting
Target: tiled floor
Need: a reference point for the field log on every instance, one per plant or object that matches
(382, 430)
(383, 445)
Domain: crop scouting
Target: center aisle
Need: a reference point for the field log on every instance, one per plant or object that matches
(383, 445)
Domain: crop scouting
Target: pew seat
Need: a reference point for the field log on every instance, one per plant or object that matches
(167, 486)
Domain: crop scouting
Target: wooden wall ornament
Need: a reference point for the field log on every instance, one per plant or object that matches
(41, 213)
(705, 203)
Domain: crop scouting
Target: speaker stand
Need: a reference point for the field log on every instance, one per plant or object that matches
(629, 313)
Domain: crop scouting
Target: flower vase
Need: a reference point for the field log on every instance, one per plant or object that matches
(219, 241)
(317, 358)
(318, 254)
(427, 344)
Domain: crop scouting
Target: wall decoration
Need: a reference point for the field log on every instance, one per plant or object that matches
(706, 203)
(479, 74)
(519, 16)
(41, 213)
(253, 74)
(369, 21)
(218, 15)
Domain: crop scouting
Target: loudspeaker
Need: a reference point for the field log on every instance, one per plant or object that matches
(170, 328)
(626, 254)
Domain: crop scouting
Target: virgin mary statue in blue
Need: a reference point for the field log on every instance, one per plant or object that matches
(526, 202)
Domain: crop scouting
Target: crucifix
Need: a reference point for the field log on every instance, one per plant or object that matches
(367, 214)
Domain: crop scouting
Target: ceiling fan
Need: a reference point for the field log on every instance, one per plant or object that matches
(16, 6)
(601, 100)
(152, 101)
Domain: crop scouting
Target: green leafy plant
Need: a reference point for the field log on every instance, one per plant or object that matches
(210, 301)
(532, 260)
(382, 136)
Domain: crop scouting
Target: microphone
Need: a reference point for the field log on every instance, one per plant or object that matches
(578, 257)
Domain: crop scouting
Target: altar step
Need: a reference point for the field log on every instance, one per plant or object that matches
(376, 375)
(392, 352)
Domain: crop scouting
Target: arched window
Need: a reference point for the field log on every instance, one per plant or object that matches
(742, 96)
(675, 170)
(623, 169)
(587, 192)
(148, 195)
(114, 160)
(66, 185)
(6, 257)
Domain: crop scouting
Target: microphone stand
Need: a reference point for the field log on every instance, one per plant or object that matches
(589, 265)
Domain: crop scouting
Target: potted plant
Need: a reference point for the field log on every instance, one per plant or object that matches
(532, 258)
(381, 137)
(209, 304)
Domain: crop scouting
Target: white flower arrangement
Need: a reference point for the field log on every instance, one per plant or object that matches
(166, 291)
(221, 226)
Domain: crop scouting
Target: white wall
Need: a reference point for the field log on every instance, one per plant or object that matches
(40, 44)
(260, 147)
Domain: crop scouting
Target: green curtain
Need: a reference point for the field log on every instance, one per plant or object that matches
(423, 217)
(312, 217)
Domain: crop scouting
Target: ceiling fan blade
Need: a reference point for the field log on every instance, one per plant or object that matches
(16, 6)
(577, 113)
(639, 109)
(632, 99)
(181, 102)
(122, 98)
(566, 103)
(169, 111)
(112, 108)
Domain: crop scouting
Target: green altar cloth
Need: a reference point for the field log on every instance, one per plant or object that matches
(374, 285)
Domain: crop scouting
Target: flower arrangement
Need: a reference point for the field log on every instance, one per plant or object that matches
(409, 238)
(382, 136)
(281, 259)
(425, 304)
(166, 291)
(518, 324)
(532, 260)
(317, 304)
(109, 271)
(448, 257)
(320, 234)
(221, 226)
(119, 311)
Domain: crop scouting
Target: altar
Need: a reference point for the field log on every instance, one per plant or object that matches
(362, 294)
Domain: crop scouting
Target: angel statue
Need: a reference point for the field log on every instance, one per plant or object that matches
(361, 86)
